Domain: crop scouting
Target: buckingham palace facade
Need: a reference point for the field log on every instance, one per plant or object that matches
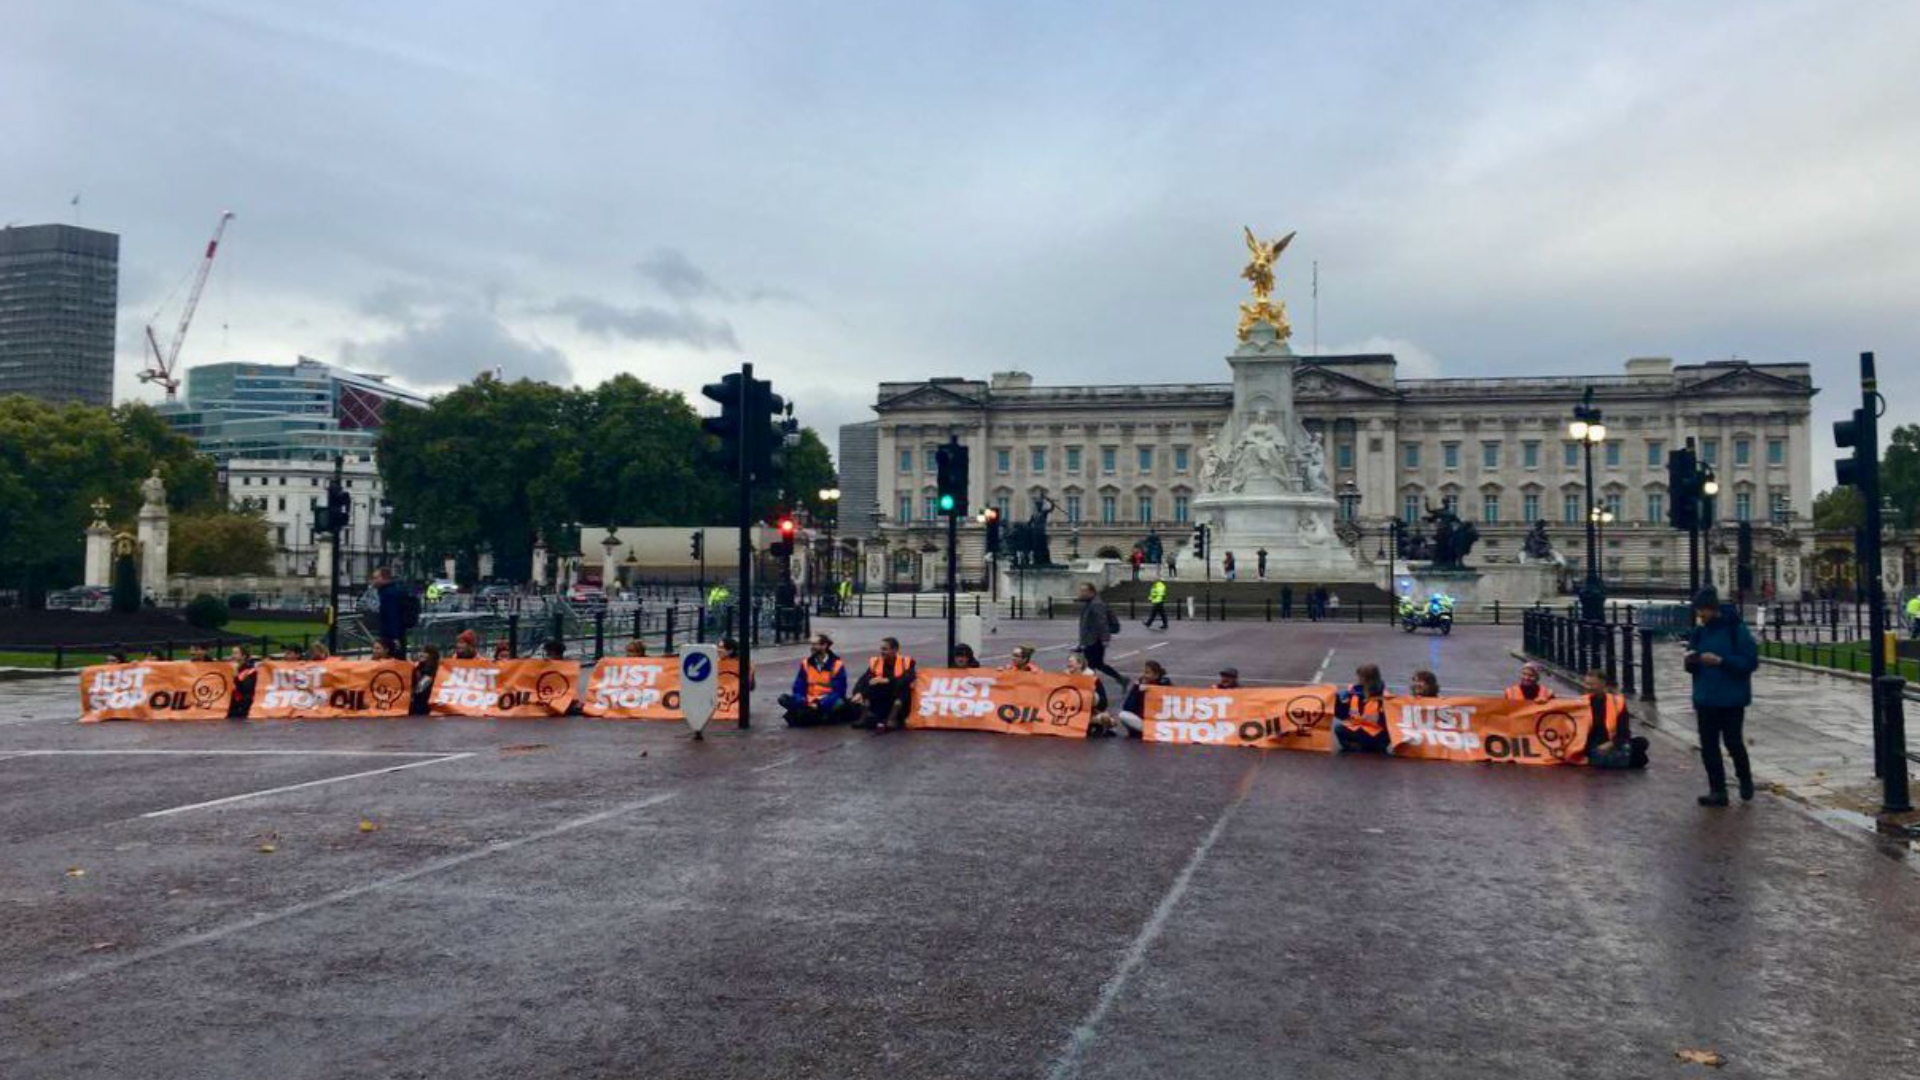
(1121, 461)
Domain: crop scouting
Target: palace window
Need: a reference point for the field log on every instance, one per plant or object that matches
(1410, 508)
(1743, 506)
(906, 461)
(1003, 461)
(1710, 451)
(1490, 455)
(1776, 451)
(1108, 457)
(1616, 505)
(1073, 509)
(1570, 508)
(1490, 509)
(1146, 459)
(905, 510)
(1343, 456)
(930, 511)
(1656, 507)
(928, 461)
(1146, 510)
(1742, 452)
(1180, 509)
(1530, 453)
(1109, 509)
(1073, 459)
(1613, 453)
(1004, 504)
(1450, 455)
(1179, 459)
(1530, 507)
(1573, 455)
(1038, 459)
(1656, 453)
(1777, 507)
(1410, 453)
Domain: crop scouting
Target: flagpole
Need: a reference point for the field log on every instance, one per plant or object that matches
(1316, 307)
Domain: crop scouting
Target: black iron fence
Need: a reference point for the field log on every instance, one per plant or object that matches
(1205, 608)
(1622, 651)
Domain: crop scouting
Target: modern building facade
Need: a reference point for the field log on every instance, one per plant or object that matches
(288, 412)
(1119, 462)
(59, 300)
(859, 458)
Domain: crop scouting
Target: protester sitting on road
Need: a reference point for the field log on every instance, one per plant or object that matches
(199, 654)
(425, 667)
(1022, 659)
(636, 647)
(1360, 712)
(963, 656)
(117, 654)
(1134, 705)
(156, 654)
(819, 694)
(1529, 688)
(1425, 684)
(1102, 722)
(382, 650)
(886, 690)
(729, 652)
(466, 646)
(502, 651)
(318, 651)
(244, 676)
(554, 649)
(291, 653)
(1611, 743)
(1229, 679)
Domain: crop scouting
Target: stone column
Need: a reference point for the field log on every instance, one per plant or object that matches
(540, 563)
(99, 568)
(152, 533)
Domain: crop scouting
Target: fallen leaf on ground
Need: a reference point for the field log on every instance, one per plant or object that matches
(102, 946)
(1700, 1057)
(267, 849)
(1376, 832)
(368, 826)
(523, 748)
(1816, 873)
(74, 871)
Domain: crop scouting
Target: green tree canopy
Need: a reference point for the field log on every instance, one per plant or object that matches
(220, 543)
(56, 459)
(1900, 475)
(1838, 508)
(492, 465)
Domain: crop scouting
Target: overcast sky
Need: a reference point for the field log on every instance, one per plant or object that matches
(844, 193)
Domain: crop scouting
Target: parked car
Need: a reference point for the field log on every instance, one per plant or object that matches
(80, 598)
(590, 596)
(494, 596)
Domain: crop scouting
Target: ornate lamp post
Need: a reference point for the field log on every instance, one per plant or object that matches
(830, 509)
(1602, 517)
(1587, 430)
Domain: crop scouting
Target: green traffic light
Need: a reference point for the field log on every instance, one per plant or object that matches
(946, 503)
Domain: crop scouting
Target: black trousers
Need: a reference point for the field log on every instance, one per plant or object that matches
(1159, 612)
(1718, 725)
(1096, 655)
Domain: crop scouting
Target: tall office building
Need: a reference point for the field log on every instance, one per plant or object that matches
(59, 293)
(289, 412)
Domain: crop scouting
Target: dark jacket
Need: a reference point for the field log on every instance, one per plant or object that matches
(392, 626)
(1095, 628)
(1730, 685)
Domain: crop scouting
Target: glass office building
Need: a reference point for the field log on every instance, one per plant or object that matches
(59, 295)
(303, 410)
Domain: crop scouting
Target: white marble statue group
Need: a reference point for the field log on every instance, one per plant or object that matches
(1264, 451)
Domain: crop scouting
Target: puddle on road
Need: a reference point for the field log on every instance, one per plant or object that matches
(1894, 840)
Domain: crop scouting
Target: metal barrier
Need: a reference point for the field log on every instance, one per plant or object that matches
(1622, 651)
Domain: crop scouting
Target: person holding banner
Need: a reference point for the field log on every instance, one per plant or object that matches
(1611, 743)
(244, 676)
(1360, 713)
(1101, 722)
(636, 648)
(1425, 684)
(198, 654)
(819, 694)
(886, 690)
(425, 668)
(963, 656)
(466, 646)
(1134, 705)
(1721, 657)
(1022, 659)
(1229, 679)
(318, 653)
(1529, 688)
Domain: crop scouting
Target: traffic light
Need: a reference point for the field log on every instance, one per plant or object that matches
(1200, 541)
(766, 432)
(991, 518)
(339, 509)
(951, 464)
(317, 509)
(1862, 470)
(698, 548)
(1743, 557)
(1683, 487)
(726, 426)
(788, 528)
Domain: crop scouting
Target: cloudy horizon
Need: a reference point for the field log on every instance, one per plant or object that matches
(864, 192)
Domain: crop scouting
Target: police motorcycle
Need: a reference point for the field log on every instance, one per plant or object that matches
(1435, 614)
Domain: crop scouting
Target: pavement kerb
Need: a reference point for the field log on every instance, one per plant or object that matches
(1911, 693)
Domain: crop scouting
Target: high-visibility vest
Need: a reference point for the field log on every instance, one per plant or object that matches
(1031, 666)
(1913, 608)
(902, 663)
(846, 590)
(1540, 693)
(1616, 706)
(717, 596)
(819, 679)
(1367, 714)
(1158, 593)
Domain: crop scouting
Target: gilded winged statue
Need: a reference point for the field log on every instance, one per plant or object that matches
(1260, 270)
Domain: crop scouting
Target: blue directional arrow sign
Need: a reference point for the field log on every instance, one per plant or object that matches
(699, 686)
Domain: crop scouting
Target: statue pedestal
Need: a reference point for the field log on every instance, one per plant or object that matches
(1296, 528)
(153, 548)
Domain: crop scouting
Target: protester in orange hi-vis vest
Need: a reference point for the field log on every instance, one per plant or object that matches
(819, 693)
(1529, 688)
(885, 692)
(1611, 743)
(1424, 684)
(1022, 659)
(1360, 712)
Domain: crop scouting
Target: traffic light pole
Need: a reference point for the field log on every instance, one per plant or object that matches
(953, 565)
(333, 564)
(749, 432)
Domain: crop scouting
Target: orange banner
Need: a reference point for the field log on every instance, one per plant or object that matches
(513, 688)
(648, 688)
(1271, 718)
(1009, 702)
(156, 690)
(1490, 729)
(331, 689)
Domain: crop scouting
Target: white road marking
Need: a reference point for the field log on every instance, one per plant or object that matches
(296, 787)
(218, 933)
(236, 753)
(1136, 954)
(1157, 645)
(1322, 669)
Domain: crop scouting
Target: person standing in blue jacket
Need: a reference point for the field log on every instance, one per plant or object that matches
(1721, 657)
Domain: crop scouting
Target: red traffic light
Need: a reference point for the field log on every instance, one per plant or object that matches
(787, 528)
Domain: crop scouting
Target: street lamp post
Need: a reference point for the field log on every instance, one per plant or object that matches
(830, 506)
(1602, 517)
(1587, 430)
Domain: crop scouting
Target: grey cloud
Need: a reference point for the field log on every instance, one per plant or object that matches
(645, 322)
(454, 348)
(673, 273)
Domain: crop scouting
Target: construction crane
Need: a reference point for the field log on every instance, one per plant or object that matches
(162, 365)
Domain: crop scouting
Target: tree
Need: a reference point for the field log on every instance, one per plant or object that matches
(220, 543)
(1900, 475)
(1839, 508)
(807, 468)
(56, 459)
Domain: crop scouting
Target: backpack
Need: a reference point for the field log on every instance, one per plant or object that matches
(409, 609)
(1113, 622)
